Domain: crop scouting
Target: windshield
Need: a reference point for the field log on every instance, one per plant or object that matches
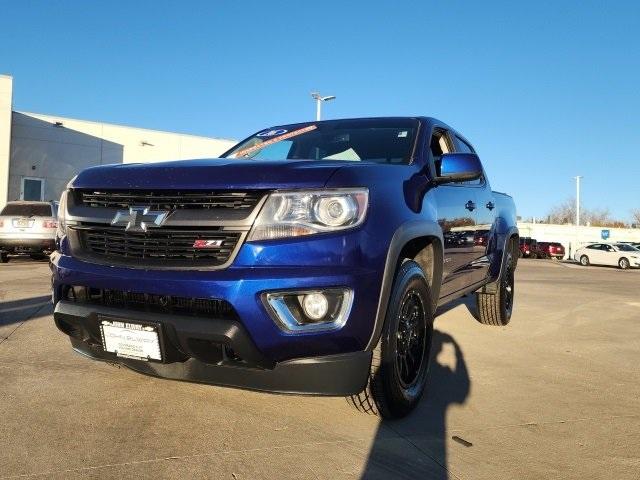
(27, 209)
(381, 141)
(626, 248)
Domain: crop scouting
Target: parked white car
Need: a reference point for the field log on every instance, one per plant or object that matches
(28, 228)
(617, 254)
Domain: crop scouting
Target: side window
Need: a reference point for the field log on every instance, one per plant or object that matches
(464, 147)
(439, 145)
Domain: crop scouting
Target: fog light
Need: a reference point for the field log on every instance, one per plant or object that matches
(311, 310)
(315, 306)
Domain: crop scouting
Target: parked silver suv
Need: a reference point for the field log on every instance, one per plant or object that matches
(28, 228)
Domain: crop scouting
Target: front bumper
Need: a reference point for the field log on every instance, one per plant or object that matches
(216, 351)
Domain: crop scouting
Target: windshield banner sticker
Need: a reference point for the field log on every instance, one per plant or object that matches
(248, 151)
(271, 133)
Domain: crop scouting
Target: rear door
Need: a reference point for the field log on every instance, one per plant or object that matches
(610, 256)
(596, 254)
(456, 205)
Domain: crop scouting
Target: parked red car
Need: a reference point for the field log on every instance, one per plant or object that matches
(528, 247)
(550, 250)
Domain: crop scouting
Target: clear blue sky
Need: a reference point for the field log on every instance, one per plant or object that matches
(545, 91)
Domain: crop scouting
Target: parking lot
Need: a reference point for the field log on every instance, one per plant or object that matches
(553, 395)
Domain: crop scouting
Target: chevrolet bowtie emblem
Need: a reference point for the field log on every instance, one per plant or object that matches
(138, 219)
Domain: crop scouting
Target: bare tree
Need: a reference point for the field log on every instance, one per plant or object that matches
(635, 215)
(563, 213)
(598, 217)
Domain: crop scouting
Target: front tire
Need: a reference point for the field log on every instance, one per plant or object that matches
(584, 261)
(623, 263)
(400, 362)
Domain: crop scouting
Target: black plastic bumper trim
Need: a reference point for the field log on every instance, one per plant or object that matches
(331, 375)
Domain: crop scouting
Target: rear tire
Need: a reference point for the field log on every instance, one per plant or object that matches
(4, 258)
(495, 308)
(584, 261)
(400, 362)
(623, 263)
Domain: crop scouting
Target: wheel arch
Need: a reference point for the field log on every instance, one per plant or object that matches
(420, 241)
(512, 236)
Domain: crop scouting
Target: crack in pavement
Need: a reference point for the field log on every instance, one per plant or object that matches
(426, 453)
(550, 422)
(29, 317)
(179, 457)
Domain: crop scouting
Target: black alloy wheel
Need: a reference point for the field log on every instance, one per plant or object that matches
(411, 339)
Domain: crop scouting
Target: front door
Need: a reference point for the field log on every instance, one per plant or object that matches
(456, 207)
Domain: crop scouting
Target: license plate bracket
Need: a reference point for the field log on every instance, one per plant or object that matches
(138, 340)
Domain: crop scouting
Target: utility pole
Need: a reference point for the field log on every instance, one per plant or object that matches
(319, 99)
(578, 200)
(578, 177)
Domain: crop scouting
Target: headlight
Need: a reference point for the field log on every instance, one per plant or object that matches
(62, 214)
(293, 214)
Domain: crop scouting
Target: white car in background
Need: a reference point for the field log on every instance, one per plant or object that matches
(28, 228)
(615, 254)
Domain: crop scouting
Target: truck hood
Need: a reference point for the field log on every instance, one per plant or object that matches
(214, 174)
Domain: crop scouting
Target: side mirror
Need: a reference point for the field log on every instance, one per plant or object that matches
(459, 167)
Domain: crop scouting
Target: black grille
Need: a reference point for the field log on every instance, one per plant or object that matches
(204, 246)
(169, 200)
(214, 308)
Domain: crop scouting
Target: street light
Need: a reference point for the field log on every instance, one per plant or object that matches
(578, 199)
(319, 99)
(578, 177)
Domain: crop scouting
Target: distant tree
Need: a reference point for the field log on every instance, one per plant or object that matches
(597, 218)
(635, 216)
(563, 213)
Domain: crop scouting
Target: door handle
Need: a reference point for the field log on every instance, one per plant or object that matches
(490, 205)
(470, 206)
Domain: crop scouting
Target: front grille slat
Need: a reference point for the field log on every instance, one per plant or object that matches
(192, 215)
(169, 200)
(158, 244)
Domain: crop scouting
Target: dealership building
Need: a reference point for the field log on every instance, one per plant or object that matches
(40, 153)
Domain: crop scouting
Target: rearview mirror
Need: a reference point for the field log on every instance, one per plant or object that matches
(459, 167)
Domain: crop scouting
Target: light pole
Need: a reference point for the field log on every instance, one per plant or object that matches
(578, 177)
(319, 99)
(578, 199)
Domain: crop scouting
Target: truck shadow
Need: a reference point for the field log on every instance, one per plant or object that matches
(16, 311)
(416, 446)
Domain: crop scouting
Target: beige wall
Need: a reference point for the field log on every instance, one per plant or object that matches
(55, 153)
(6, 91)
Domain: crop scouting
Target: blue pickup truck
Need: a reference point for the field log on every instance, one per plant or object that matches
(310, 259)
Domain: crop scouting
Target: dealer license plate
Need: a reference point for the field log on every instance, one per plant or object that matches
(131, 340)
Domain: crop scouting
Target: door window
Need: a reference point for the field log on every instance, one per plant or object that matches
(463, 147)
(439, 145)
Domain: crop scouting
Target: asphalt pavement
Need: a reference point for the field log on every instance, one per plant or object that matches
(555, 394)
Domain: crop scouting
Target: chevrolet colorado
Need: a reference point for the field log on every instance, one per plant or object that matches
(309, 259)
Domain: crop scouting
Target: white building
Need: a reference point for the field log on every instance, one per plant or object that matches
(39, 153)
